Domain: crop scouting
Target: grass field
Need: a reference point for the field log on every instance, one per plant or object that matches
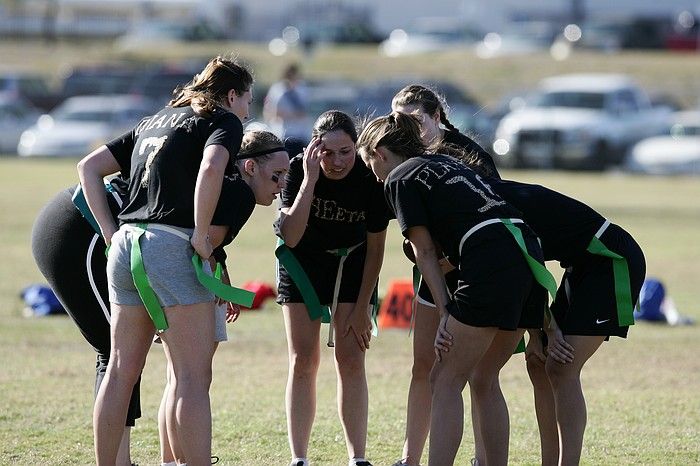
(642, 392)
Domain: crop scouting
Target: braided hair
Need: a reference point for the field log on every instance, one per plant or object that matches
(429, 100)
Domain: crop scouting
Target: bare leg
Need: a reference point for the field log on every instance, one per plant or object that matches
(304, 358)
(491, 423)
(427, 319)
(124, 454)
(131, 334)
(568, 397)
(448, 378)
(352, 386)
(545, 411)
(190, 343)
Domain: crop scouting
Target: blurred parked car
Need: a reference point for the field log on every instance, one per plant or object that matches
(429, 35)
(16, 115)
(578, 121)
(677, 153)
(158, 83)
(81, 124)
(159, 33)
(30, 87)
(99, 80)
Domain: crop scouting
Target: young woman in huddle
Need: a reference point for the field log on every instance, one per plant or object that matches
(176, 162)
(436, 130)
(438, 200)
(333, 222)
(605, 270)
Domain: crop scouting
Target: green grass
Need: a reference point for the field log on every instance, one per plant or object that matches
(642, 392)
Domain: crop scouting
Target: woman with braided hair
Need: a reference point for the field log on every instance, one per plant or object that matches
(429, 108)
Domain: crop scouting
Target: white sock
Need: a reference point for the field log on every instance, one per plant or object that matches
(171, 463)
(304, 461)
(354, 461)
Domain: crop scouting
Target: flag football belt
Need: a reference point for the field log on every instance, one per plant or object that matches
(539, 271)
(80, 203)
(148, 296)
(621, 274)
(314, 307)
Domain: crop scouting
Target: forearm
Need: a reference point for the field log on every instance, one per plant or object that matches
(91, 170)
(430, 270)
(295, 219)
(374, 258)
(208, 187)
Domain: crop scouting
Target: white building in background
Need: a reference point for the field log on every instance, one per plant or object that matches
(264, 19)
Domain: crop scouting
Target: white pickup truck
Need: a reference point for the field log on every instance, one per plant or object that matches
(578, 121)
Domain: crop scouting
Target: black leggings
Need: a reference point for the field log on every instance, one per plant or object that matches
(71, 256)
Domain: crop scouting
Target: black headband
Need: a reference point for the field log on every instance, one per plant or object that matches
(258, 153)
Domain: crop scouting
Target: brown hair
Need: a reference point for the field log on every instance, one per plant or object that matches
(471, 159)
(429, 100)
(334, 120)
(208, 90)
(398, 132)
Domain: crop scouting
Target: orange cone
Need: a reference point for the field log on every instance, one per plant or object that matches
(397, 305)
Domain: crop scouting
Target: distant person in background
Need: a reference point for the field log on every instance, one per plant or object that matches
(285, 110)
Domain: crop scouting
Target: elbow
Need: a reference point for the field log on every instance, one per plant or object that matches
(290, 240)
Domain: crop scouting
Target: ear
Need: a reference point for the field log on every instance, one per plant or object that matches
(231, 96)
(249, 167)
(436, 116)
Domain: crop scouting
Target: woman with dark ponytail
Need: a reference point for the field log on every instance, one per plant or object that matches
(430, 108)
(439, 201)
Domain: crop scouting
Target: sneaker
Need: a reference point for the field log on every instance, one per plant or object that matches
(214, 459)
(363, 463)
(400, 463)
(298, 462)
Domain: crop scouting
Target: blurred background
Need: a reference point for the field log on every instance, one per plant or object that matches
(563, 84)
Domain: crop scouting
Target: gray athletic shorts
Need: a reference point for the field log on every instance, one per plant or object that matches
(220, 320)
(167, 259)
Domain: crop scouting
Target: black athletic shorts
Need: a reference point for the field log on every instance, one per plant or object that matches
(322, 267)
(496, 287)
(585, 303)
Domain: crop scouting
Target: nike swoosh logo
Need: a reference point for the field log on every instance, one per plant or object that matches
(601, 321)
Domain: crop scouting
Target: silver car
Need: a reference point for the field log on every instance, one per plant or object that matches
(81, 124)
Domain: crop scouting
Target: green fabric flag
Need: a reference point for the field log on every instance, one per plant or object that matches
(621, 273)
(138, 272)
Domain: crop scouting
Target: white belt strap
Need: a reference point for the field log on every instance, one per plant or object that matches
(481, 225)
(166, 228)
(336, 292)
(602, 229)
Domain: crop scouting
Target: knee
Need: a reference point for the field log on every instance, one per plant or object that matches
(351, 362)
(443, 378)
(536, 370)
(422, 366)
(481, 382)
(558, 373)
(304, 364)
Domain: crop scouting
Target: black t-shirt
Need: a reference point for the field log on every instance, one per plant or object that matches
(342, 211)
(162, 155)
(236, 204)
(443, 195)
(458, 139)
(564, 225)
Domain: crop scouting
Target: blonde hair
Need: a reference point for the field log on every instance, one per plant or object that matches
(257, 141)
(209, 89)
